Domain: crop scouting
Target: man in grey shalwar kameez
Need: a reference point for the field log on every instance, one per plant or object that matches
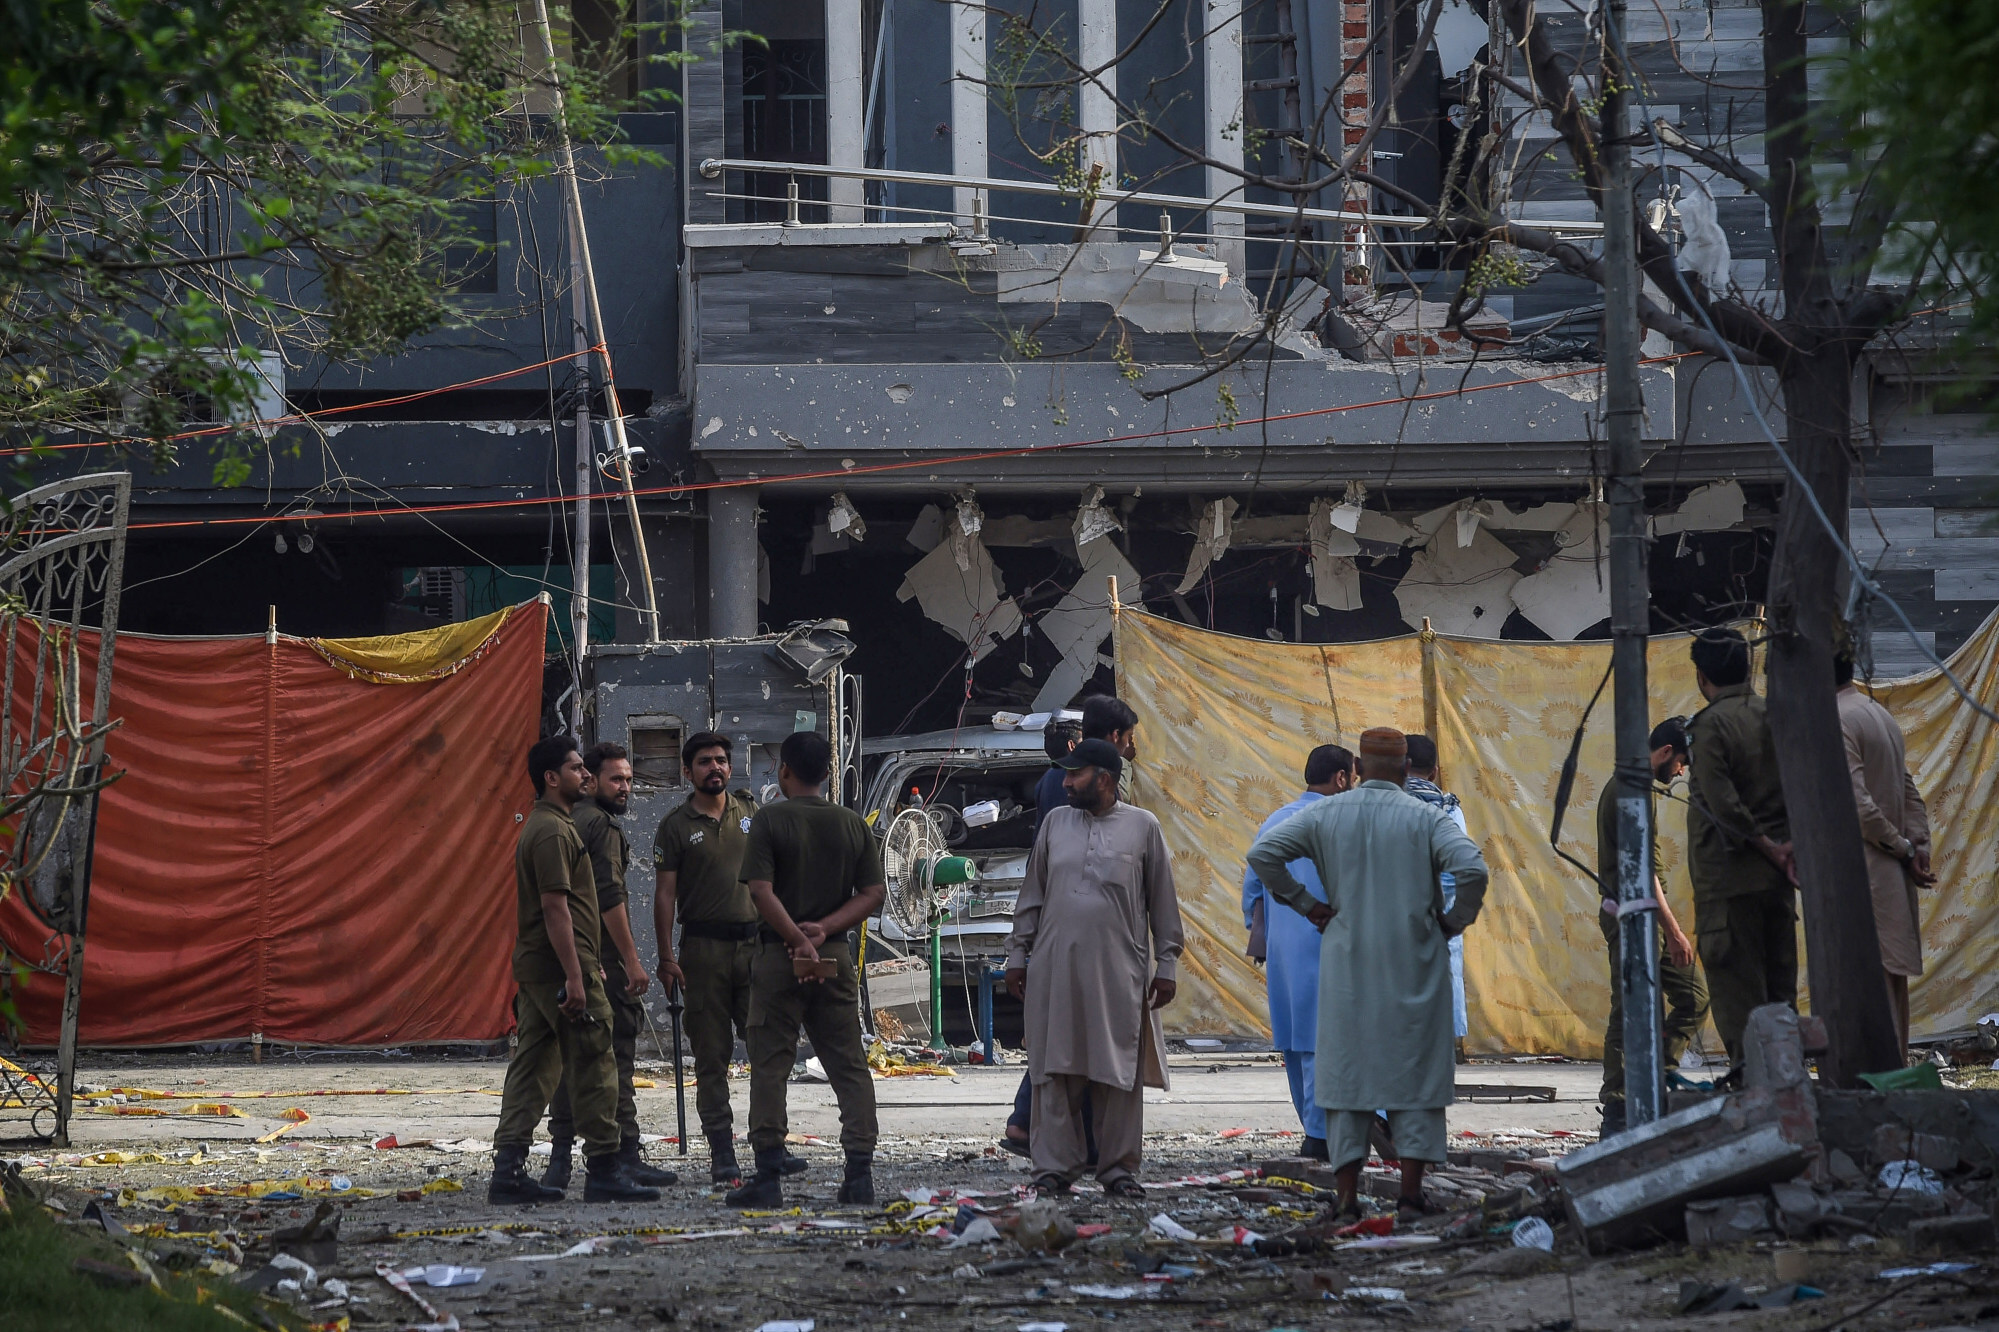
(1096, 939)
(1385, 1029)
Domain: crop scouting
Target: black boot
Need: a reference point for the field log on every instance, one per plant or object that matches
(761, 1190)
(1613, 1118)
(636, 1169)
(722, 1166)
(510, 1179)
(605, 1180)
(859, 1185)
(560, 1165)
(1316, 1149)
(792, 1165)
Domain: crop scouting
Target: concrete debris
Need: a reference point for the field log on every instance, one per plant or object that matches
(1636, 1187)
(1727, 1220)
(1967, 1232)
(1461, 590)
(928, 529)
(964, 598)
(1933, 1151)
(1346, 514)
(1910, 1177)
(1211, 540)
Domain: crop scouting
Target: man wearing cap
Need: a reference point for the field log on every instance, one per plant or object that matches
(1738, 845)
(1385, 1031)
(1680, 983)
(1096, 942)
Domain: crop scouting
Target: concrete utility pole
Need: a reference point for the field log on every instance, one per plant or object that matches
(1630, 595)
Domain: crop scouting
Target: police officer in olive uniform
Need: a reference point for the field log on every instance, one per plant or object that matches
(814, 872)
(1738, 845)
(596, 816)
(1680, 982)
(562, 1017)
(698, 855)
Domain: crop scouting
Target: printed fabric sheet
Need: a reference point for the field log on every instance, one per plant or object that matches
(1226, 723)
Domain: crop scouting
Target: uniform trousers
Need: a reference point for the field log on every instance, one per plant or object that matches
(1749, 950)
(1684, 992)
(550, 1048)
(1071, 1112)
(717, 992)
(627, 1019)
(829, 1012)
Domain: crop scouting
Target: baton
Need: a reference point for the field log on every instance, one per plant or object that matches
(675, 1005)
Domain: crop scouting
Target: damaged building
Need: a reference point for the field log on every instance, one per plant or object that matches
(888, 366)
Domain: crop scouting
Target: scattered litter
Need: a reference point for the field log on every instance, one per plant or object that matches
(980, 1231)
(1389, 1241)
(1698, 1297)
(1233, 1133)
(1910, 1177)
(443, 1274)
(1244, 1236)
(439, 1322)
(788, 1325)
(1379, 1294)
(1109, 1292)
(1042, 1327)
(1534, 1233)
(1167, 1228)
(966, 1272)
(1934, 1269)
(1043, 1228)
(336, 1288)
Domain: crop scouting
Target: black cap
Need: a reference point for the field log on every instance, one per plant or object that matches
(1093, 754)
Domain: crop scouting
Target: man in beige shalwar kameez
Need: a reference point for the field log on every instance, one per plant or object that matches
(1096, 939)
(1895, 825)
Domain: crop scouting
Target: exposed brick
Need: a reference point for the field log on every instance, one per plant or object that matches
(1356, 30)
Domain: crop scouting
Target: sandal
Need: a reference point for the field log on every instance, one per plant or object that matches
(1124, 1186)
(1014, 1145)
(1050, 1186)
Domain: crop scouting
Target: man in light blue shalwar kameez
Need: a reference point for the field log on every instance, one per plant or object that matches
(1292, 950)
(1384, 1035)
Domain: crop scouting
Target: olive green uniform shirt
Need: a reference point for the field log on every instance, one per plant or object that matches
(551, 858)
(1606, 837)
(707, 856)
(610, 855)
(816, 855)
(1733, 794)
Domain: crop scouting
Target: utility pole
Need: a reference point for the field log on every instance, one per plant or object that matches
(579, 568)
(1630, 594)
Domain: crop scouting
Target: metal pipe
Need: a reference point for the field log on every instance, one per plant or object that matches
(711, 167)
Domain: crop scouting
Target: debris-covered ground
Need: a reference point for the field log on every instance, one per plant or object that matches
(1229, 1236)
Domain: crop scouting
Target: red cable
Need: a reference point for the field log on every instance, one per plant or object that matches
(877, 468)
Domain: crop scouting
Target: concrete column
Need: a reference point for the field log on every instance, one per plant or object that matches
(1225, 121)
(732, 562)
(968, 101)
(846, 81)
(1096, 109)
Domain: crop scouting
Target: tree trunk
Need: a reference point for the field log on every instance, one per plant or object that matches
(1848, 986)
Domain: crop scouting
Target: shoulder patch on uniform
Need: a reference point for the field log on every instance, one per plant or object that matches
(697, 835)
(744, 823)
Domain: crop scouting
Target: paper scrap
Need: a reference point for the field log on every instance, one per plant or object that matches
(444, 1274)
(1167, 1228)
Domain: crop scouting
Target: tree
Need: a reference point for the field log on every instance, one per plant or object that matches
(1556, 62)
(191, 182)
(1922, 109)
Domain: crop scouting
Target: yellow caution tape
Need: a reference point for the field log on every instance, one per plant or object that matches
(123, 1158)
(789, 1211)
(295, 1115)
(644, 1082)
(443, 1186)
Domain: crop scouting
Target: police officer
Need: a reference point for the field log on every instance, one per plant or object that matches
(1680, 980)
(562, 1018)
(698, 856)
(814, 873)
(625, 981)
(1738, 845)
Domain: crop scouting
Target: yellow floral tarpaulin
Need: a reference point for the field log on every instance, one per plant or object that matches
(1226, 723)
(415, 657)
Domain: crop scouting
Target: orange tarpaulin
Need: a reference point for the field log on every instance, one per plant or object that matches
(297, 851)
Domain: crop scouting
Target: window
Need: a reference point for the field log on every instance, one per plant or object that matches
(784, 120)
(655, 743)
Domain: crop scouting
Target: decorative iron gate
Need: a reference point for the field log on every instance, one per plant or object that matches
(62, 567)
